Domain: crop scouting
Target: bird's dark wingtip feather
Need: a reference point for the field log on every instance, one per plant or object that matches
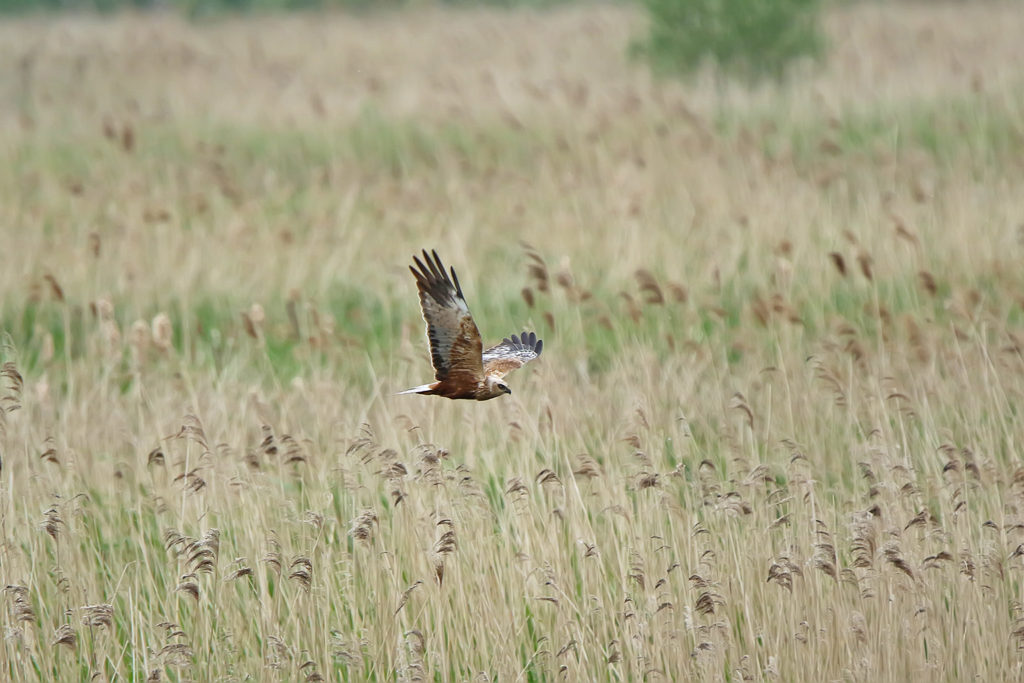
(433, 263)
(433, 279)
(539, 347)
(455, 279)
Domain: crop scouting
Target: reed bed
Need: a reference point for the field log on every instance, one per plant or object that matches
(774, 434)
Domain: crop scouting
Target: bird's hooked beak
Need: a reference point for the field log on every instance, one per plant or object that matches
(507, 390)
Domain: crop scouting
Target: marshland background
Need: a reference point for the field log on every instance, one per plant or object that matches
(774, 435)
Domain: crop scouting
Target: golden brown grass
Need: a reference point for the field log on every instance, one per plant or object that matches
(774, 434)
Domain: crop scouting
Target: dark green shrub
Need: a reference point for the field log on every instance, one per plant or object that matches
(750, 39)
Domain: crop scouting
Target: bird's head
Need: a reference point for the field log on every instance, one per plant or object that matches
(496, 386)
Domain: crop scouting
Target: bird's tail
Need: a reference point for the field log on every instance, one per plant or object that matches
(422, 389)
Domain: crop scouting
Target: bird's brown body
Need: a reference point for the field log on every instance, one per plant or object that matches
(481, 392)
(462, 368)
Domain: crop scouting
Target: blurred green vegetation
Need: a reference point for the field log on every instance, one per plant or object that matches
(979, 131)
(200, 8)
(749, 39)
(191, 7)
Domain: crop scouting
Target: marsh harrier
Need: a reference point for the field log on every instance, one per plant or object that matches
(461, 366)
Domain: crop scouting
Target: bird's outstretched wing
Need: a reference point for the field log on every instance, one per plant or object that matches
(455, 346)
(511, 354)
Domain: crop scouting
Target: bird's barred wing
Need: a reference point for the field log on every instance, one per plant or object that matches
(511, 354)
(455, 346)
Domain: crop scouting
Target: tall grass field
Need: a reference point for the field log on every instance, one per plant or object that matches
(775, 434)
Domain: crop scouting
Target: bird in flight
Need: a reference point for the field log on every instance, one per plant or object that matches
(461, 367)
